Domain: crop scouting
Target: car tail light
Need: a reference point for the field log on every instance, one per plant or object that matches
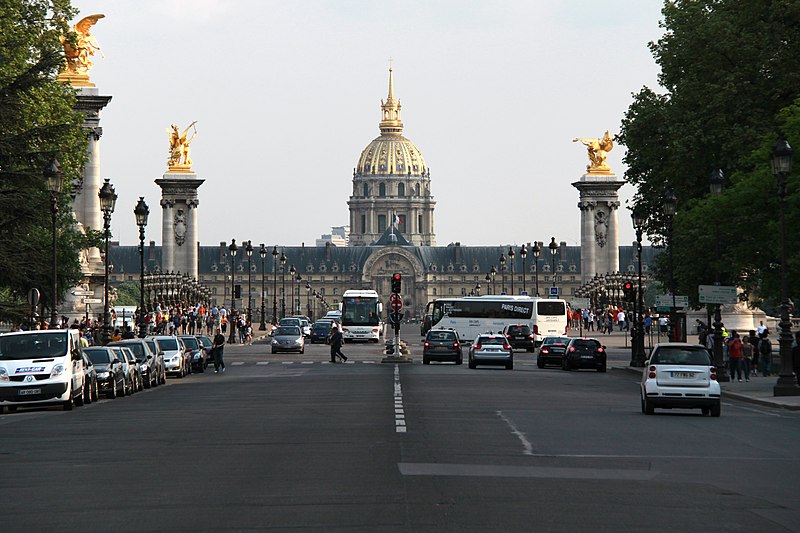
(478, 346)
(571, 348)
(455, 345)
(506, 346)
(427, 344)
(600, 350)
(374, 330)
(713, 375)
(545, 350)
(652, 374)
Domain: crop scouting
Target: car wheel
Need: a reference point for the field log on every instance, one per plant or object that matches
(705, 410)
(273, 351)
(112, 393)
(565, 365)
(163, 377)
(460, 361)
(124, 389)
(716, 409)
(95, 392)
(79, 399)
(601, 368)
(649, 409)
(87, 394)
(148, 383)
(540, 364)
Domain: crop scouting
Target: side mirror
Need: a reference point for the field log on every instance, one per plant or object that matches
(76, 356)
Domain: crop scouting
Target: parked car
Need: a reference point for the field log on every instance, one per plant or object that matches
(176, 359)
(320, 331)
(442, 345)
(491, 349)
(152, 365)
(680, 375)
(137, 367)
(90, 387)
(552, 351)
(197, 357)
(205, 344)
(110, 377)
(128, 370)
(158, 354)
(288, 339)
(520, 337)
(583, 352)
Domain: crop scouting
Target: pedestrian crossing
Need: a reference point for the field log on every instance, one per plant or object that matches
(349, 362)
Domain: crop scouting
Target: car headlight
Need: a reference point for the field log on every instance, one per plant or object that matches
(176, 358)
(198, 355)
(274, 341)
(57, 371)
(3, 374)
(102, 375)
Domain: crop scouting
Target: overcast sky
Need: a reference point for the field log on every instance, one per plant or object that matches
(287, 94)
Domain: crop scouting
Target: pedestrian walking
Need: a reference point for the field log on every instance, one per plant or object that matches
(753, 340)
(764, 354)
(217, 348)
(735, 355)
(336, 343)
(747, 356)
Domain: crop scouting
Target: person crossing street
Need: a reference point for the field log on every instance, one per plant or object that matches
(336, 343)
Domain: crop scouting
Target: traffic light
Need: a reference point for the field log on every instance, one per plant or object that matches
(396, 282)
(629, 291)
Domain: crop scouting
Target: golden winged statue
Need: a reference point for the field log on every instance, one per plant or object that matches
(597, 149)
(78, 52)
(179, 158)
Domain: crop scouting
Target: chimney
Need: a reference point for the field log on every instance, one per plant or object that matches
(457, 252)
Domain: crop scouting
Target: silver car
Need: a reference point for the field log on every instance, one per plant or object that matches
(288, 339)
(489, 349)
(175, 356)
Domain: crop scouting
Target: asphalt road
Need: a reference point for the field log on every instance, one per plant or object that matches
(291, 442)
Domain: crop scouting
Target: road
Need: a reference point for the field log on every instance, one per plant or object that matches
(288, 442)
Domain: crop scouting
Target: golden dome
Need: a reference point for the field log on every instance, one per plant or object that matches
(391, 153)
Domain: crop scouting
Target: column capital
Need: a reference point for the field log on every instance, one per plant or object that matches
(167, 203)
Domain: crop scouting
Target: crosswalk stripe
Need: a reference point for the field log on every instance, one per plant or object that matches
(262, 363)
(237, 363)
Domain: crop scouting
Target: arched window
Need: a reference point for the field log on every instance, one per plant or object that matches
(417, 191)
(382, 190)
(366, 190)
(401, 189)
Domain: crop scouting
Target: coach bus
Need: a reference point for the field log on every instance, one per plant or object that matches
(361, 316)
(473, 315)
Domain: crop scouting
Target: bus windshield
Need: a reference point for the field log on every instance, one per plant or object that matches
(360, 311)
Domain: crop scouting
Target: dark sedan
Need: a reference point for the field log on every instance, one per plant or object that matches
(90, 390)
(197, 355)
(552, 351)
(520, 337)
(110, 376)
(320, 331)
(584, 353)
(152, 365)
(442, 345)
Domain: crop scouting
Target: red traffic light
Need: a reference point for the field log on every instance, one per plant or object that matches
(628, 286)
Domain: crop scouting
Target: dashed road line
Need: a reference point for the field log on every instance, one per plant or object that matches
(399, 411)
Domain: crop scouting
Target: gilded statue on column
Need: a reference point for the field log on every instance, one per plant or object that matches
(179, 157)
(78, 52)
(597, 149)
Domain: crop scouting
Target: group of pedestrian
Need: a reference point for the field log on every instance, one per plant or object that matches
(745, 356)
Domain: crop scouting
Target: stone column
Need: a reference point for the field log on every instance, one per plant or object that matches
(192, 239)
(180, 234)
(588, 264)
(613, 236)
(599, 200)
(167, 236)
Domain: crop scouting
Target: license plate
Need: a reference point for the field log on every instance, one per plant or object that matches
(683, 375)
(587, 357)
(28, 392)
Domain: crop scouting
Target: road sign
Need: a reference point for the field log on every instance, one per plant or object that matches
(92, 300)
(554, 291)
(580, 303)
(396, 304)
(717, 294)
(394, 297)
(82, 292)
(665, 300)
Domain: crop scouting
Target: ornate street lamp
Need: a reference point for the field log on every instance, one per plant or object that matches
(716, 184)
(141, 211)
(283, 285)
(503, 273)
(292, 280)
(299, 278)
(108, 199)
(231, 322)
(781, 160)
(669, 202)
(638, 355)
(55, 183)
(553, 251)
(274, 284)
(493, 273)
(523, 253)
(248, 250)
(263, 253)
(536, 253)
(308, 301)
(511, 259)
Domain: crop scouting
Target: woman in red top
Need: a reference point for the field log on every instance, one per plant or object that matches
(735, 355)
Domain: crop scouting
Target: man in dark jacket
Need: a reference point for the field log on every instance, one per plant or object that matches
(216, 349)
(336, 343)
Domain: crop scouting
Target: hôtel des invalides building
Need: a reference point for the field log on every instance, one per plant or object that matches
(392, 229)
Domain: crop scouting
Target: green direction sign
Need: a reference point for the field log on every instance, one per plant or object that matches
(717, 294)
(580, 303)
(665, 300)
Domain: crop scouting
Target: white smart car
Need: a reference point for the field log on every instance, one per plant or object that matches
(680, 375)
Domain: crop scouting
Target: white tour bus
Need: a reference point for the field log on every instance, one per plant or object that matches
(470, 316)
(361, 315)
(41, 367)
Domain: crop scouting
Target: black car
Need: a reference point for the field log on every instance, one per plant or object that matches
(110, 376)
(520, 337)
(442, 345)
(90, 390)
(320, 331)
(197, 356)
(551, 352)
(152, 365)
(584, 353)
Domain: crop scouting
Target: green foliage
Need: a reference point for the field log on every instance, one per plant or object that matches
(128, 293)
(731, 70)
(37, 122)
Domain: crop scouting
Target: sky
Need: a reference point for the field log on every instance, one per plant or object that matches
(287, 94)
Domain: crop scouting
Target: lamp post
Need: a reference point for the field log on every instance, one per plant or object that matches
(274, 284)
(553, 251)
(716, 185)
(493, 273)
(781, 160)
(292, 280)
(308, 301)
(231, 321)
(263, 253)
(638, 355)
(536, 253)
(523, 253)
(669, 201)
(249, 251)
(503, 273)
(141, 211)
(108, 199)
(55, 183)
(283, 285)
(511, 259)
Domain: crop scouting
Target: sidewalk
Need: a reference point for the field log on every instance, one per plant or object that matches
(759, 390)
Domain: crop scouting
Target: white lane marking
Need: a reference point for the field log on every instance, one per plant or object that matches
(237, 363)
(287, 363)
(262, 363)
(307, 363)
(520, 435)
(399, 417)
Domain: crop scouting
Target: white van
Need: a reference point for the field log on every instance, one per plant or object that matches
(40, 368)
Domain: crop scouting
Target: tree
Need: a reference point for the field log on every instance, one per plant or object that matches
(729, 68)
(37, 122)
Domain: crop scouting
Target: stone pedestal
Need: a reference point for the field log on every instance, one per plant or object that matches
(599, 203)
(179, 231)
